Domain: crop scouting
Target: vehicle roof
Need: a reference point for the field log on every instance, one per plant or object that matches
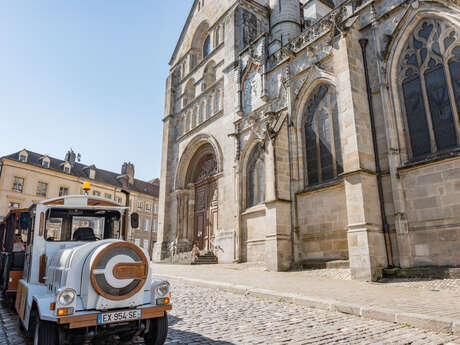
(81, 201)
(14, 211)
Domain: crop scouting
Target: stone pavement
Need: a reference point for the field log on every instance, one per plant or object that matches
(10, 334)
(433, 309)
(212, 316)
(205, 316)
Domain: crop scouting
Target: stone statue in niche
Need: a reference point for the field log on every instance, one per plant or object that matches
(249, 26)
(252, 88)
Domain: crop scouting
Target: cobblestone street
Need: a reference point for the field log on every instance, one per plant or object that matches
(210, 316)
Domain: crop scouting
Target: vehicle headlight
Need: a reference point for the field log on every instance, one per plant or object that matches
(66, 296)
(161, 290)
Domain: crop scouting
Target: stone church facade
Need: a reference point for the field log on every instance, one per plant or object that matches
(299, 131)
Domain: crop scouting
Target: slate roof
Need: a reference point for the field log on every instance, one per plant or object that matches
(82, 171)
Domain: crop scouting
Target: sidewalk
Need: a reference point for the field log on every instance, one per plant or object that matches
(437, 310)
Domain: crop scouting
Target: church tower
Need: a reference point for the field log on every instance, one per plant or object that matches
(284, 22)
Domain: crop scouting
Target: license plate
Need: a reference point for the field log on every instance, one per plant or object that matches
(118, 316)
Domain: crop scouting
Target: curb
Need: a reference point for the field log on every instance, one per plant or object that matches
(423, 321)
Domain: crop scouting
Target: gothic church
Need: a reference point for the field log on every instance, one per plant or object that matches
(312, 131)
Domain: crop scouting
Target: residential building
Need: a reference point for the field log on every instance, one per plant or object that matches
(27, 177)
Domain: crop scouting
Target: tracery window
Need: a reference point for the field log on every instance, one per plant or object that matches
(323, 153)
(430, 87)
(207, 46)
(255, 184)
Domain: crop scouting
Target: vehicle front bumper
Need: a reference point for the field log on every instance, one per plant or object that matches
(88, 319)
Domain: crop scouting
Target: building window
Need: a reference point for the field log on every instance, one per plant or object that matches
(209, 107)
(430, 87)
(18, 184)
(217, 37)
(155, 209)
(207, 46)
(217, 102)
(119, 200)
(146, 224)
(146, 244)
(45, 164)
(14, 205)
(155, 225)
(66, 169)
(209, 75)
(323, 155)
(63, 191)
(140, 205)
(42, 188)
(96, 193)
(148, 207)
(107, 196)
(137, 242)
(22, 158)
(190, 92)
(255, 178)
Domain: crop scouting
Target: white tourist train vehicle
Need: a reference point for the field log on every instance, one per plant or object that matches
(83, 282)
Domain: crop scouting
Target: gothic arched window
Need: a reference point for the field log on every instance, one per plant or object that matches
(323, 152)
(430, 87)
(207, 46)
(255, 184)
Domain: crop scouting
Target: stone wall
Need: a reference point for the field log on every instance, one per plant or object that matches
(253, 239)
(432, 195)
(322, 219)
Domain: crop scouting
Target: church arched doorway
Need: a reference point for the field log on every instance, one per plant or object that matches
(202, 176)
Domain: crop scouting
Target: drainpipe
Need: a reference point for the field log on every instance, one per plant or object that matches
(386, 228)
(292, 191)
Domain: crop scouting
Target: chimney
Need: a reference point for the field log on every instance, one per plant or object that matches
(155, 181)
(127, 170)
(70, 157)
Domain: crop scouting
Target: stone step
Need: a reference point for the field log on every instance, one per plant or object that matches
(423, 272)
(206, 259)
(325, 264)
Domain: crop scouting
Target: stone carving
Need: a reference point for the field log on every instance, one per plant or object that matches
(281, 101)
(299, 83)
(252, 88)
(249, 27)
(208, 168)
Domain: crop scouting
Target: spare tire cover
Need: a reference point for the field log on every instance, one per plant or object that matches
(119, 271)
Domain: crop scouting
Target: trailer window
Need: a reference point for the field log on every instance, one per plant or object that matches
(82, 226)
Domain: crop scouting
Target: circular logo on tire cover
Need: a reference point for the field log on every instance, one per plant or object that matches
(119, 271)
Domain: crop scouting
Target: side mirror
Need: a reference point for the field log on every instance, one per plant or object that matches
(24, 220)
(134, 220)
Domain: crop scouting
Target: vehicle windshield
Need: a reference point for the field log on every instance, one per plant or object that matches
(63, 225)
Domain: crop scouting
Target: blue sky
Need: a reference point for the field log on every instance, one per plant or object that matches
(87, 75)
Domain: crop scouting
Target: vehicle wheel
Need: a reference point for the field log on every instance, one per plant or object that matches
(158, 331)
(45, 332)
